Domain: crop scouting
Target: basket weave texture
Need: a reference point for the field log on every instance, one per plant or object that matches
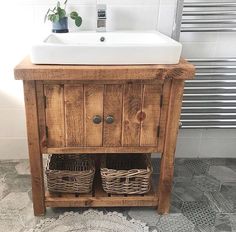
(126, 174)
(70, 173)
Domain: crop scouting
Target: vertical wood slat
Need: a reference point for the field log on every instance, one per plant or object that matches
(113, 95)
(55, 115)
(93, 105)
(41, 115)
(74, 115)
(35, 157)
(132, 105)
(164, 112)
(151, 112)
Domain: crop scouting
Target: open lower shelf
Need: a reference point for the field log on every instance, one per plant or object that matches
(99, 198)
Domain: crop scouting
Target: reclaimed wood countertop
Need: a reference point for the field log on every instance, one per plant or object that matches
(25, 70)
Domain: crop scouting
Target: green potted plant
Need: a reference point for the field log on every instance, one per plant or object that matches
(59, 18)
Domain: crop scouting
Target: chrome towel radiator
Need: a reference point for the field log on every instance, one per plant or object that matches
(210, 99)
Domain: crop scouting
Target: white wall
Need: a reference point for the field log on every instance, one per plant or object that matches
(22, 24)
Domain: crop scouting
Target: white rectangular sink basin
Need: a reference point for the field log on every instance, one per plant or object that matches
(108, 48)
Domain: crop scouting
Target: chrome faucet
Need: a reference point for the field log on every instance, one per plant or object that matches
(101, 17)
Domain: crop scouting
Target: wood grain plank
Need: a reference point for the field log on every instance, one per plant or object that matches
(74, 115)
(151, 114)
(102, 82)
(137, 201)
(164, 113)
(167, 160)
(55, 115)
(93, 97)
(35, 158)
(41, 115)
(132, 105)
(112, 107)
(182, 70)
(96, 150)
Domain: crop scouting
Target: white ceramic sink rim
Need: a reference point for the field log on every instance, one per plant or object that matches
(117, 49)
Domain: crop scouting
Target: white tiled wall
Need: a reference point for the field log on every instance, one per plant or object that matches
(22, 24)
(207, 143)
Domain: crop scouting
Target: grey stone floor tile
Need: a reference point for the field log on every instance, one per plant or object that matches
(229, 193)
(182, 174)
(15, 200)
(230, 161)
(153, 229)
(204, 228)
(7, 167)
(18, 183)
(22, 168)
(222, 173)
(175, 223)
(176, 204)
(4, 190)
(199, 212)
(216, 161)
(222, 223)
(147, 215)
(232, 167)
(233, 221)
(219, 202)
(187, 192)
(206, 183)
(197, 166)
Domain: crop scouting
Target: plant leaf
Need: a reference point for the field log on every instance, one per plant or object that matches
(50, 17)
(58, 4)
(61, 13)
(78, 21)
(46, 15)
(74, 15)
(55, 18)
(65, 2)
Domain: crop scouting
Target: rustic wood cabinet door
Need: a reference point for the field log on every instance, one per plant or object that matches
(74, 115)
(93, 108)
(98, 115)
(55, 115)
(113, 107)
(141, 115)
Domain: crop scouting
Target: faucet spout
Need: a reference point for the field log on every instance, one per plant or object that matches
(101, 17)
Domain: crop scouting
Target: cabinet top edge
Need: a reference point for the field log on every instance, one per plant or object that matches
(25, 70)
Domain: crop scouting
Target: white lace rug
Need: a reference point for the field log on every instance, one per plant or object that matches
(90, 221)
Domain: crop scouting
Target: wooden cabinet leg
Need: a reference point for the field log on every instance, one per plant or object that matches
(35, 156)
(168, 156)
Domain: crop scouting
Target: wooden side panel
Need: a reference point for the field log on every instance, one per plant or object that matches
(167, 159)
(93, 105)
(41, 115)
(112, 107)
(164, 112)
(132, 106)
(55, 115)
(74, 115)
(35, 157)
(151, 114)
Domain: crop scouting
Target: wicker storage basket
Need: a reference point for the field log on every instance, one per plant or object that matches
(70, 173)
(126, 173)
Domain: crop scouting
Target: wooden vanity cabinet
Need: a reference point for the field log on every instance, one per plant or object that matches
(102, 109)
